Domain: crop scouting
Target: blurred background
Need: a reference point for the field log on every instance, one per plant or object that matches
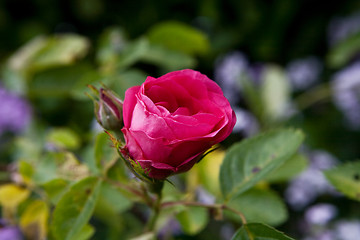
(279, 62)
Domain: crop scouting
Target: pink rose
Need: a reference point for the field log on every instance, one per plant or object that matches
(170, 121)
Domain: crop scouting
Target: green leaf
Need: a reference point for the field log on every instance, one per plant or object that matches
(168, 59)
(132, 53)
(122, 81)
(344, 51)
(145, 236)
(193, 219)
(118, 172)
(259, 205)
(112, 41)
(86, 232)
(28, 147)
(80, 87)
(346, 178)
(45, 52)
(258, 231)
(111, 202)
(22, 58)
(275, 93)
(111, 197)
(75, 208)
(13, 81)
(58, 82)
(252, 96)
(55, 189)
(59, 165)
(61, 50)
(251, 160)
(45, 168)
(64, 138)
(26, 170)
(292, 167)
(179, 37)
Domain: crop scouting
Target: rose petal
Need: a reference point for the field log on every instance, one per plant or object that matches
(153, 124)
(219, 100)
(163, 110)
(182, 111)
(185, 127)
(192, 81)
(162, 96)
(129, 104)
(182, 95)
(185, 151)
(156, 149)
(134, 149)
(157, 170)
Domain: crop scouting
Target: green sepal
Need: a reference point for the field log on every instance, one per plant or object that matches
(132, 164)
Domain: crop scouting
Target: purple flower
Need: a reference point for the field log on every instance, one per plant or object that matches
(228, 72)
(304, 72)
(348, 230)
(171, 228)
(246, 122)
(320, 214)
(227, 231)
(8, 232)
(204, 196)
(323, 230)
(323, 235)
(15, 112)
(346, 94)
(311, 183)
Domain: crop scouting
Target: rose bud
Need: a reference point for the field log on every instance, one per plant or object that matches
(170, 122)
(108, 111)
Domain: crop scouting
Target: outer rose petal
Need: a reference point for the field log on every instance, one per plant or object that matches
(129, 104)
(172, 120)
(157, 173)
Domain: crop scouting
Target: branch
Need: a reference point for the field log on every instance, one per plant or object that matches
(209, 206)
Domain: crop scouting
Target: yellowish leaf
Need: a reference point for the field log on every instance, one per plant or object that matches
(209, 169)
(34, 220)
(71, 169)
(12, 195)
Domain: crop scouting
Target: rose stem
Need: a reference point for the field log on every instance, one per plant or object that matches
(157, 189)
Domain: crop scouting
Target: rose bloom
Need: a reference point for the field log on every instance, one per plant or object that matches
(170, 121)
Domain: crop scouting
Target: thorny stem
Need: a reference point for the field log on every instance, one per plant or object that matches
(209, 206)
